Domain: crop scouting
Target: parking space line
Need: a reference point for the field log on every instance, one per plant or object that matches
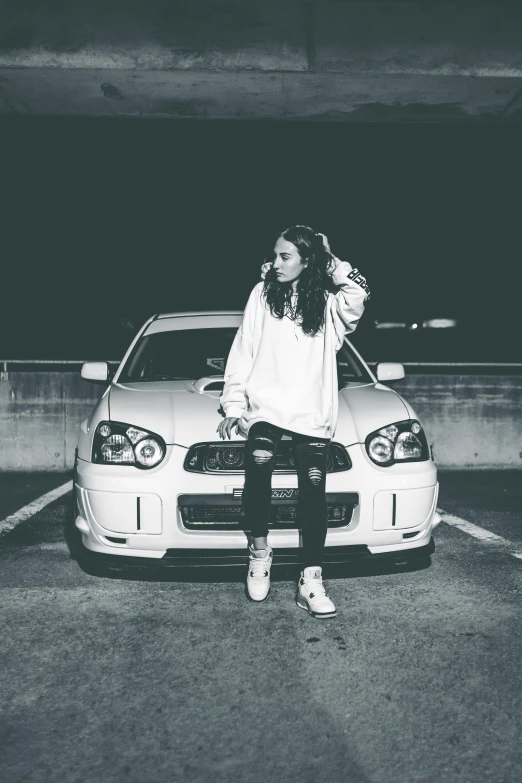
(33, 508)
(480, 532)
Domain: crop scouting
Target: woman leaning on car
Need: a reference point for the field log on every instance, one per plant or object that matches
(281, 377)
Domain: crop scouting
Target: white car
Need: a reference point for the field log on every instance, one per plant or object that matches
(154, 483)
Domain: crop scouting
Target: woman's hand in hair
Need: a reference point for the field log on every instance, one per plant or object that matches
(227, 425)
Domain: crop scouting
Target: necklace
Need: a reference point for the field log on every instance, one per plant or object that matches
(293, 304)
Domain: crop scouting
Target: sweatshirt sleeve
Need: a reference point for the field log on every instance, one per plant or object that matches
(348, 303)
(239, 362)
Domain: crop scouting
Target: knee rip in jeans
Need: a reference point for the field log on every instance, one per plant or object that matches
(315, 474)
(262, 456)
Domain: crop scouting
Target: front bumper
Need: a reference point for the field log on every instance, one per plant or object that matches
(123, 512)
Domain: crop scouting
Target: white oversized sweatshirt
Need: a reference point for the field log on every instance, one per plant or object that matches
(277, 373)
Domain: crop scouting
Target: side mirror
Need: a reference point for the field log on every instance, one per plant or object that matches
(97, 372)
(390, 371)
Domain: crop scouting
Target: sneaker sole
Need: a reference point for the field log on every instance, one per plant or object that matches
(316, 615)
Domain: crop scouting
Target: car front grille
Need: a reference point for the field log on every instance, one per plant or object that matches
(225, 512)
(230, 458)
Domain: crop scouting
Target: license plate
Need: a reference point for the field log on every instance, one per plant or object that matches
(284, 493)
(277, 492)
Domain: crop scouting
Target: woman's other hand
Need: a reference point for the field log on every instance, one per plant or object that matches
(227, 425)
(264, 269)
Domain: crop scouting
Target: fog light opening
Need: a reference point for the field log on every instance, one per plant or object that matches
(116, 540)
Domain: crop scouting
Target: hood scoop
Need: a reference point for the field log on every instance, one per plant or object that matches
(202, 384)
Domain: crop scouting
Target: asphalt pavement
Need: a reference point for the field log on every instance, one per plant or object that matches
(161, 677)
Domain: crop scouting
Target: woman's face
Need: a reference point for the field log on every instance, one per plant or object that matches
(287, 262)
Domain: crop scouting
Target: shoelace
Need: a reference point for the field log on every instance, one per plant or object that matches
(258, 566)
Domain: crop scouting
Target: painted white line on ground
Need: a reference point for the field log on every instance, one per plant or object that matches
(59, 546)
(33, 508)
(479, 532)
(469, 527)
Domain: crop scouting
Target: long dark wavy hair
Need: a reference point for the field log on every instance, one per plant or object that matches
(313, 284)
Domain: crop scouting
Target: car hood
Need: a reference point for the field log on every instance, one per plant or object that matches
(180, 414)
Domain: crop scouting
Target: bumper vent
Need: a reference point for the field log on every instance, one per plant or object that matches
(229, 458)
(225, 512)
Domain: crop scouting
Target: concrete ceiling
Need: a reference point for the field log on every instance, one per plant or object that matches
(425, 61)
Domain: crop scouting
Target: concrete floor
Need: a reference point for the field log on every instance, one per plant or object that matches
(126, 679)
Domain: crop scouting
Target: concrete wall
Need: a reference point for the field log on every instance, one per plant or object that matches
(472, 421)
(437, 37)
(291, 59)
(39, 417)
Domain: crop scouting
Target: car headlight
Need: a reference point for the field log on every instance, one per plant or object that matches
(403, 441)
(116, 443)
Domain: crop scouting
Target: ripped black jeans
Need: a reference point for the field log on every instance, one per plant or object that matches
(311, 455)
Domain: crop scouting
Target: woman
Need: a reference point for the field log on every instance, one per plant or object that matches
(281, 376)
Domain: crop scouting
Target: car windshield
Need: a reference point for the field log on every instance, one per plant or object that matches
(189, 354)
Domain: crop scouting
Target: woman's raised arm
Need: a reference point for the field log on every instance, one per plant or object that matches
(349, 301)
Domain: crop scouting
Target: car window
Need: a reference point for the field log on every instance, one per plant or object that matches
(194, 353)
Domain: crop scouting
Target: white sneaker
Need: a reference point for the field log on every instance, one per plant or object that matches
(258, 579)
(311, 594)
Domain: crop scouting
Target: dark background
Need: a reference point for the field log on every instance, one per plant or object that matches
(108, 221)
